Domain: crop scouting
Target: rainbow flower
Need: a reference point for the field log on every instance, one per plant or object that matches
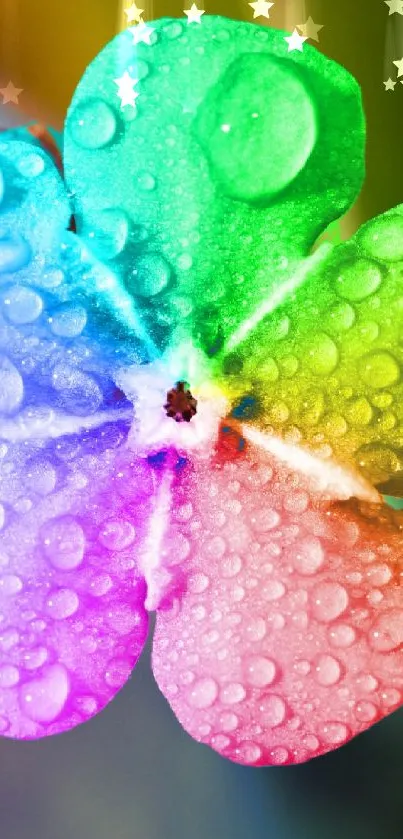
(198, 408)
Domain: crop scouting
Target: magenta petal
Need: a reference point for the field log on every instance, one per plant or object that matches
(286, 640)
(73, 622)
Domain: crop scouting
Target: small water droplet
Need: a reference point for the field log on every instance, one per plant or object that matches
(386, 633)
(248, 752)
(63, 543)
(365, 711)
(10, 585)
(279, 756)
(272, 710)
(117, 672)
(379, 369)
(228, 721)
(334, 733)
(11, 386)
(356, 279)
(30, 165)
(117, 535)
(150, 276)
(308, 556)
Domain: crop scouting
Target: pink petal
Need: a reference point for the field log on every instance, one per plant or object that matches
(286, 639)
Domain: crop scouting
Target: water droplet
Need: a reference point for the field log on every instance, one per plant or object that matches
(203, 693)
(10, 584)
(184, 261)
(382, 238)
(264, 520)
(308, 556)
(256, 629)
(224, 118)
(107, 231)
(260, 671)
(359, 412)
(79, 391)
(357, 279)
(231, 566)
(43, 699)
(198, 582)
(272, 710)
(279, 756)
(365, 711)
(391, 697)
(379, 369)
(62, 603)
(302, 667)
(386, 633)
(341, 317)
(117, 672)
(173, 30)
(321, 355)
(123, 619)
(22, 305)
(248, 752)
(272, 590)
(68, 321)
(9, 676)
(30, 165)
(329, 600)
(15, 253)
(327, 670)
(52, 277)
(151, 275)
(34, 658)
(145, 181)
(228, 721)
(117, 535)
(334, 733)
(232, 693)
(41, 477)
(11, 386)
(63, 543)
(378, 575)
(296, 502)
(311, 742)
(92, 124)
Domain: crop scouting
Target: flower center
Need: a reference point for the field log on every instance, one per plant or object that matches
(180, 404)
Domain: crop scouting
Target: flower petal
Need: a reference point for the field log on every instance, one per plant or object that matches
(284, 640)
(204, 196)
(325, 367)
(74, 501)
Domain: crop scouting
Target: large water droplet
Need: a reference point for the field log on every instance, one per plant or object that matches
(30, 165)
(329, 600)
(43, 699)
(22, 305)
(92, 124)
(334, 732)
(203, 693)
(107, 232)
(357, 279)
(11, 386)
(62, 603)
(308, 556)
(382, 238)
(272, 710)
(151, 275)
(379, 369)
(327, 670)
(232, 693)
(64, 543)
(260, 671)
(281, 131)
(386, 633)
(342, 635)
(322, 355)
(15, 253)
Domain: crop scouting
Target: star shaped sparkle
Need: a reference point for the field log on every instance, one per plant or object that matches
(395, 6)
(389, 84)
(142, 33)
(126, 92)
(133, 14)
(399, 65)
(311, 29)
(295, 41)
(261, 8)
(194, 14)
(10, 93)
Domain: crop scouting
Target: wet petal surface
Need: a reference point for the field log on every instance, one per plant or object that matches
(285, 639)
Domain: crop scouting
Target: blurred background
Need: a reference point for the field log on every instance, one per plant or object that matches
(132, 773)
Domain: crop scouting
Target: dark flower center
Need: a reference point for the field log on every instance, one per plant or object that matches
(180, 404)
